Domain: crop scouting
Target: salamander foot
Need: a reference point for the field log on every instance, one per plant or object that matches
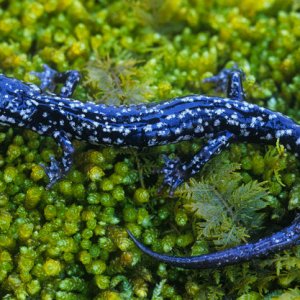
(229, 81)
(50, 78)
(47, 78)
(54, 172)
(174, 174)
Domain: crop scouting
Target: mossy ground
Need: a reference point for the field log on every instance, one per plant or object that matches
(70, 242)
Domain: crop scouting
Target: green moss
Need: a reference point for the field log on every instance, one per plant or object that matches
(141, 196)
(70, 242)
(52, 267)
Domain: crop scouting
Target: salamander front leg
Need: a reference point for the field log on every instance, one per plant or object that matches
(50, 78)
(230, 81)
(176, 172)
(57, 169)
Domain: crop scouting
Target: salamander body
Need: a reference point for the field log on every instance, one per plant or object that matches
(219, 120)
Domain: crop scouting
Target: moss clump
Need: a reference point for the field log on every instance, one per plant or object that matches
(70, 242)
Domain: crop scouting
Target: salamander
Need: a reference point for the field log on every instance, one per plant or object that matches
(220, 120)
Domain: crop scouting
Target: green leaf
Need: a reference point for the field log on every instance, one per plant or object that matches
(224, 209)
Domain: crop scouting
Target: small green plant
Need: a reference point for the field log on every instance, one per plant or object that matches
(117, 82)
(224, 209)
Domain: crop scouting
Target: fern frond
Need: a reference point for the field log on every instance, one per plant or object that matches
(291, 294)
(117, 82)
(224, 209)
(275, 159)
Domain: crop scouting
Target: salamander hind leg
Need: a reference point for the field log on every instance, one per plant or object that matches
(230, 81)
(50, 78)
(176, 172)
(58, 169)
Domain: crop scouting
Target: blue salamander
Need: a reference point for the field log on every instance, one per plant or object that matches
(219, 120)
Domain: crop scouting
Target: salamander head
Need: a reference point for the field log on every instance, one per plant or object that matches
(16, 105)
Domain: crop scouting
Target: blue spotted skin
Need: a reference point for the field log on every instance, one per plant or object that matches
(219, 120)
